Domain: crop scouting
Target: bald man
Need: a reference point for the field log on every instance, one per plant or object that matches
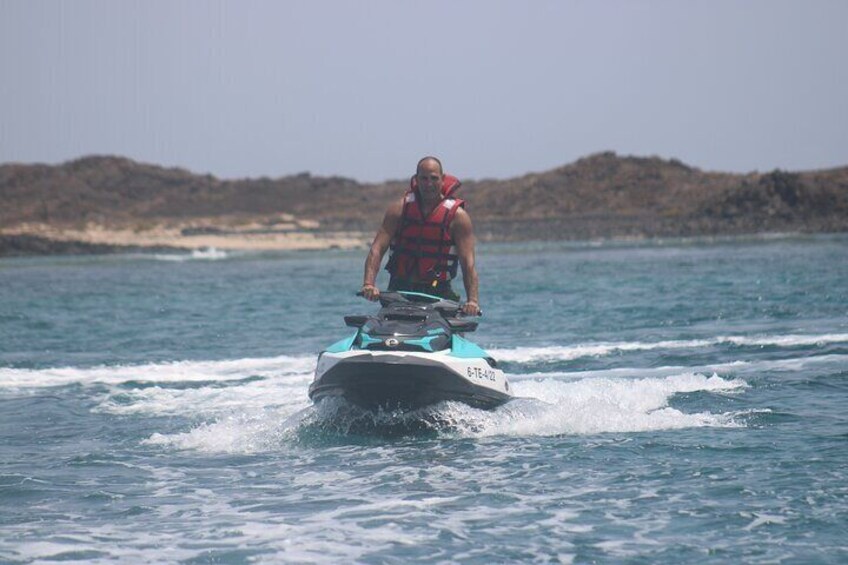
(430, 234)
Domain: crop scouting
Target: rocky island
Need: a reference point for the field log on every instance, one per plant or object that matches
(101, 204)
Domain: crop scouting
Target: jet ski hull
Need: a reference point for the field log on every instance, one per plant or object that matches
(408, 380)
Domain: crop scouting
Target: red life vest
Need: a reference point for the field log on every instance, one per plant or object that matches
(422, 248)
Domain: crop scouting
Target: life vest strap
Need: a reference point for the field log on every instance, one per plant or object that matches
(449, 257)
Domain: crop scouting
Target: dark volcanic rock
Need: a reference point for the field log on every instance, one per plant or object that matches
(781, 201)
(23, 245)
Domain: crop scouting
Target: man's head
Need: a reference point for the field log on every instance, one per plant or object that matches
(430, 177)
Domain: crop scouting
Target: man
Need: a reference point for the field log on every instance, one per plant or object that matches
(429, 232)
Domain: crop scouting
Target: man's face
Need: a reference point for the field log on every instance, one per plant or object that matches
(430, 180)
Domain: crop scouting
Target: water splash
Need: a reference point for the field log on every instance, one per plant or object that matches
(203, 254)
(549, 407)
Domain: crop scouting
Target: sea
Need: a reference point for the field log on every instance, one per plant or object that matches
(680, 401)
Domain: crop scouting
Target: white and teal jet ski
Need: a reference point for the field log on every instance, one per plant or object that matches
(411, 354)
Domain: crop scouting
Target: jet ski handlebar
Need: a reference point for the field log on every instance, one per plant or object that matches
(448, 308)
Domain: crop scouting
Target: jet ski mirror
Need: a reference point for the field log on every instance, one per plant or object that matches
(355, 321)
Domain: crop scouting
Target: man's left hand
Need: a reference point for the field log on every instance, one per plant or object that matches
(471, 308)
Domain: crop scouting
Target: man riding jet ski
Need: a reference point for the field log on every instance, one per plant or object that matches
(409, 355)
(430, 236)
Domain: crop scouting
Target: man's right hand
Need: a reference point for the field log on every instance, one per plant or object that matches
(370, 292)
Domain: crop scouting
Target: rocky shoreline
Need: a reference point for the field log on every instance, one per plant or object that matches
(22, 245)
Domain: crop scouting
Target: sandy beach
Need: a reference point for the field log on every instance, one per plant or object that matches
(199, 234)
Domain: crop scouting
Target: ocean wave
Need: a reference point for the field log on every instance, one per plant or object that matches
(739, 368)
(571, 352)
(204, 254)
(161, 373)
(209, 401)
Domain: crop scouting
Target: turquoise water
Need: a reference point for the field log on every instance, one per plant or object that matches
(683, 401)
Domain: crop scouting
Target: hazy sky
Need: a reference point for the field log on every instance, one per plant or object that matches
(364, 88)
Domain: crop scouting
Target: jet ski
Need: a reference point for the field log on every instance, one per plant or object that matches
(411, 354)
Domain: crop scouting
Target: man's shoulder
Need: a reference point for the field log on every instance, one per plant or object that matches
(461, 222)
(462, 214)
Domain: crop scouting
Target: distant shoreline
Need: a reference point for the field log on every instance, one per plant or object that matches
(103, 204)
(34, 245)
(47, 240)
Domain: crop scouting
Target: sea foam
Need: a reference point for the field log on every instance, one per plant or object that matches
(204, 254)
(547, 407)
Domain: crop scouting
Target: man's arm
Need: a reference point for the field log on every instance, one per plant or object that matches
(378, 250)
(462, 233)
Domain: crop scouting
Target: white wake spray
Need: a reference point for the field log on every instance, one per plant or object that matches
(250, 404)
